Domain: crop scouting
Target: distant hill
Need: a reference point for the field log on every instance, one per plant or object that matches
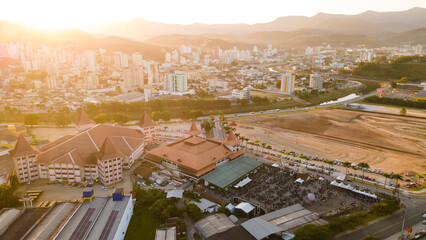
(413, 37)
(77, 39)
(368, 23)
(295, 39)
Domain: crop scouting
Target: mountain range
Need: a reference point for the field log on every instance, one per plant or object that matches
(76, 39)
(370, 29)
(369, 23)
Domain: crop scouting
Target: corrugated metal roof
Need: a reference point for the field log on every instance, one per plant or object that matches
(260, 228)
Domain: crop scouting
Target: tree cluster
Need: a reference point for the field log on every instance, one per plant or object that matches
(396, 102)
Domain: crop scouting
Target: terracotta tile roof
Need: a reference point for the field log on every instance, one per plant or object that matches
(88, 144)
(196, 153)
(22, 148)
(70, 157)
(193, 130)
(143, 171)
(109, 150)
(231, 140)
(56, 142)
(236, 154)
(146, 121)
(84, 119)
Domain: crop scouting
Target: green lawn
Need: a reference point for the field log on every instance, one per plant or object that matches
(142, 226)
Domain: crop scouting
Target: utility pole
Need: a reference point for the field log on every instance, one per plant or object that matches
(402, 227)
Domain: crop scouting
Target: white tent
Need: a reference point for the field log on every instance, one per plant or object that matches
(175, 193)
(321, 179)
(230, 207)
(340, 178)
(243, 182)
(246, 207)
(275, 165)
(350, 188)
(299, 180)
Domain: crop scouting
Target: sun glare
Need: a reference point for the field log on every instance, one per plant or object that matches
(49, 24)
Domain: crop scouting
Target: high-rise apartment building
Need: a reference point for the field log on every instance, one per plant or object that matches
(137, 59)
(177, 82)
(133, 78)
(121, 60)
(287, 83)
(315, 81)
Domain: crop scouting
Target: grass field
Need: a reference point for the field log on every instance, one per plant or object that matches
(142, 226)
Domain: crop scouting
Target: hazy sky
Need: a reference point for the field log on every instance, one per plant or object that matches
(78, 13)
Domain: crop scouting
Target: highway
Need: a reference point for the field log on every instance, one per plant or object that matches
(300, 109)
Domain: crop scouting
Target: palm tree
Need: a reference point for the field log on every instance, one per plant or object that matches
(330, 163)
(257, 144)
(269, 147)
(363, 166)
(346, 165)
(386, 175)
(397, 177)
(354, 168)
(421, 176)
(263, 146)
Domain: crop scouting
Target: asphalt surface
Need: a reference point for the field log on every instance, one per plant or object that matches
(389, 226)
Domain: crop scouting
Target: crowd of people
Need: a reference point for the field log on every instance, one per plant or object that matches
(275, 188)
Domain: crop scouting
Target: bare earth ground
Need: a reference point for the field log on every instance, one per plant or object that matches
(394, 110)
(392, 143)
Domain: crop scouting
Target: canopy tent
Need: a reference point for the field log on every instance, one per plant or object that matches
(341, 178)
(275, 165)
(350, 188)
(299, 180)
(230, 207)
(243, 182)
(246, 207)
(321, 179)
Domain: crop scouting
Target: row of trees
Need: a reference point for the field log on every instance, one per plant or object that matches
(344, 223)
(396, 102)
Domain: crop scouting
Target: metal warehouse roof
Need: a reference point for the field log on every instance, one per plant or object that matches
(230, 172)
(260, 228)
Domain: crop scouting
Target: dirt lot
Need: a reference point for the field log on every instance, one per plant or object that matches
(391, 143)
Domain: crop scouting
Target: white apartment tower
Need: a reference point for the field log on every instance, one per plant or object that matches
(177, 82)
(315, 81)
(287, 83)
(137, 59)
(121, 60)
(133, 78)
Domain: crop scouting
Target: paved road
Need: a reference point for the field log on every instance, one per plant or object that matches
(303, 108)
(389, 226)
(218, 129)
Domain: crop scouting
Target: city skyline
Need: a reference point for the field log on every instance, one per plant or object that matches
(79, 14)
